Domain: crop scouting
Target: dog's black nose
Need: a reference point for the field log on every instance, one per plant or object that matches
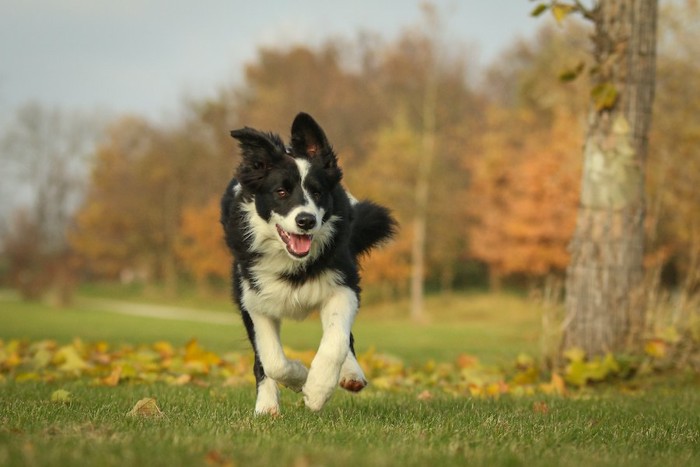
(306, 221)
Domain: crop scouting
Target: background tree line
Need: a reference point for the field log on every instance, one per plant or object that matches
(495, 150)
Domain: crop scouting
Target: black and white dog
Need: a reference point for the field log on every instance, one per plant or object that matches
(296, 236)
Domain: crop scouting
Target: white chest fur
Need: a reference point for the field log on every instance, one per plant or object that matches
(278, 298)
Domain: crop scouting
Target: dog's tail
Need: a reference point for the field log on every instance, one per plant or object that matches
(372, 225)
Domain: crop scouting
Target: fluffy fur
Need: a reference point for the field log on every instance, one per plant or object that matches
(296, 236)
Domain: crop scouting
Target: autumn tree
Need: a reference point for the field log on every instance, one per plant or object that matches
(106, 232)
(524, 194)
(44, 156)
(130, 217)
(604, 299)
(201, 246)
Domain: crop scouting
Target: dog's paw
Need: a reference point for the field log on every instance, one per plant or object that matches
(271, 411)
(353, 384)
(318, 389)
(296, 376)
(267, 402)
(351, 376)
(315, 397)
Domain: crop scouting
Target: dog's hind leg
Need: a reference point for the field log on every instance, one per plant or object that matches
(352, 378)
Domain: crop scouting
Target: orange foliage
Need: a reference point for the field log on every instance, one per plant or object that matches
(201, 246)
(524, 194)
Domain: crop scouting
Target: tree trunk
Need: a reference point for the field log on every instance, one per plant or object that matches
(420, 219)
(422, 189)
(605, 301)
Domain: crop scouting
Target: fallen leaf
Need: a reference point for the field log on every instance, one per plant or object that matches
(113, 378)
(146, 408)
(540, 407)
(558, 384)
(655, 348)
(216, 458)
(467, 361)
(69, 360)
(60, 395)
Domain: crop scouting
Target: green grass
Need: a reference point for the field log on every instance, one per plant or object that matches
(204, 425)
(656, 425)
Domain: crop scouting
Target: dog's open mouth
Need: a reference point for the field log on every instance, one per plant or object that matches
(298, 245)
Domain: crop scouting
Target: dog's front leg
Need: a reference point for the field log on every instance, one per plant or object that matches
(337, 316)
(276, 366)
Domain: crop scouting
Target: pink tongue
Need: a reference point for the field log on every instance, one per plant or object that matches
(300, 244)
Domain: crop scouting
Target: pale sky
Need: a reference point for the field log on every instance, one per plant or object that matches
(144, 56)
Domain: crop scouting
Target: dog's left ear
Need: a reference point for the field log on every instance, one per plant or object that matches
(308, 139)
(307, 136)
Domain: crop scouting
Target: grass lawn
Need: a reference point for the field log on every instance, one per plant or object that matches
(214, 425)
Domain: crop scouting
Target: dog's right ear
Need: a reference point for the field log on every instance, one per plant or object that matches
(260, 151)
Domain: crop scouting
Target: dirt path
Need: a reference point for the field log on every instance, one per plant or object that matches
(160, 311)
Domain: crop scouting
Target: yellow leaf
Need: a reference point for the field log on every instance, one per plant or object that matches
(476, 391)
(655, 348)
(558, 384)
(610, 364)
(101, 347)
(575, 354)
(577, 373)
(60, 395)
(526, 376)
(69, 360)
(195, 353)
(41, 359)
(10, 359)
(164, 348)
(146, 408)
(113, 378)
(181, 380)
(560, 11)
(524, 361)
(604, 96)
(22, 377)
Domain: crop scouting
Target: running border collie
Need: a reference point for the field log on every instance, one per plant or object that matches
(296, 236)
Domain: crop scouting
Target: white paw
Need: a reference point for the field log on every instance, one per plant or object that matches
(319, 386)
(315, 397)
(267, 402)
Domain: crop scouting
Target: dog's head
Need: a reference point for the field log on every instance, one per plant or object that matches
(290, 187)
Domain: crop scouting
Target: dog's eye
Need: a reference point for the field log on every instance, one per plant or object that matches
(316, 195)
(282, 193)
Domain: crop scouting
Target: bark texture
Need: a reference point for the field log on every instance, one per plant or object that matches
(605, 302)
